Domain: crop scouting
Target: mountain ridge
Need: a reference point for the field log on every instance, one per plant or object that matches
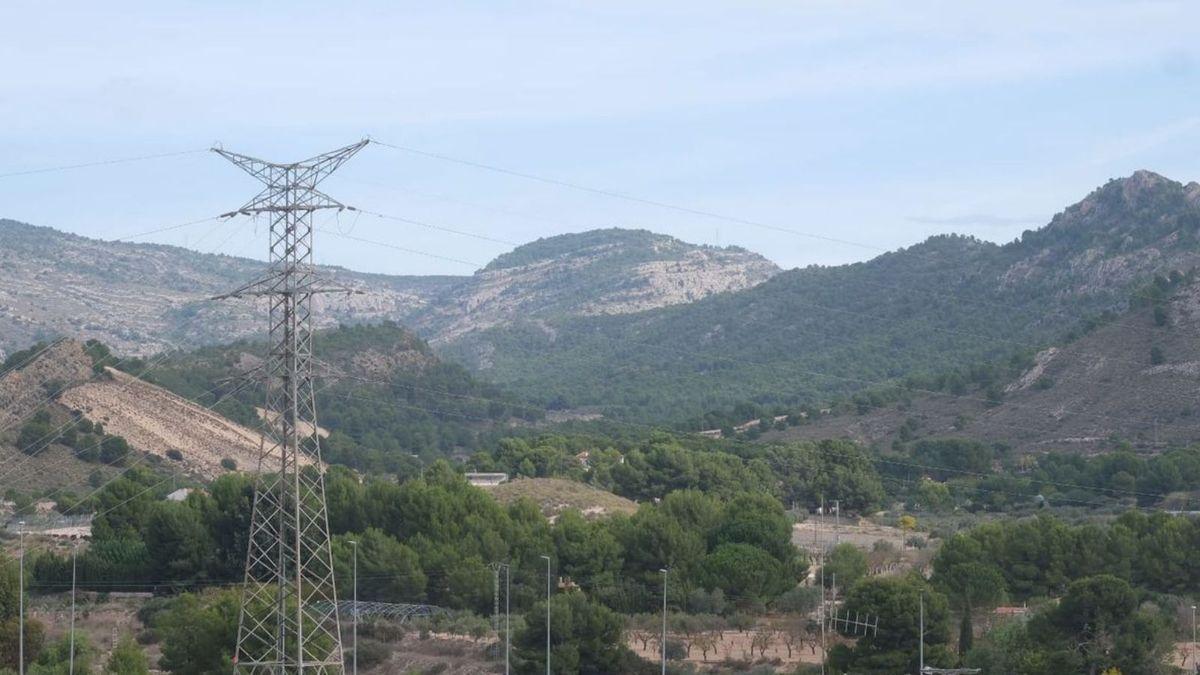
(812, 333)
(144, 298)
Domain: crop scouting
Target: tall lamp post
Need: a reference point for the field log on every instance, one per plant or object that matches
(547, 559)
(354, 611)
(664, 622)
(1195, 666)
(507, 631)
(21, 605)
(74, 554)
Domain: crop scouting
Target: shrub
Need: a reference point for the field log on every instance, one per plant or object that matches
(229, 464)
(371, 653)
(113, 450)
(1156, 356)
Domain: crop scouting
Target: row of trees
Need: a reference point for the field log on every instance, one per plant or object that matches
(801, 473)
(1040, 557)
(88, 441)
(942, 474)
(431, 539)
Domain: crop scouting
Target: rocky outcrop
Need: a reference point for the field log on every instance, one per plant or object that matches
(597, 272)
(140, 299)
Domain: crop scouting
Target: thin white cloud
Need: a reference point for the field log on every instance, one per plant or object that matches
(1138, 144)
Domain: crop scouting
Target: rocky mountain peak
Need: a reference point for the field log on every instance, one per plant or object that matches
(601, 243)
(608, 271)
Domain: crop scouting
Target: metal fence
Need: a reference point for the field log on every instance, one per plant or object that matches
(400, 612)
(42, 522)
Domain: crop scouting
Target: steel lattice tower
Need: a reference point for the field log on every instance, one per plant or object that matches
(289, 618)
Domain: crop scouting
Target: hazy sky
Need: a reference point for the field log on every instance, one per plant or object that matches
(876, 122)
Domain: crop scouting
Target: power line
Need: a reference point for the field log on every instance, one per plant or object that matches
(440, 228)
(103, 162)
(627, 197)
(394, 247)
(990, 304)
(166, 228)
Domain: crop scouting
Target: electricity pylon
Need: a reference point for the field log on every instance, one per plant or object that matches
(289, 620)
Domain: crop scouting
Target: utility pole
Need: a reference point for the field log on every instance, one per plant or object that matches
(921, 641)
(495, 596)
(824, 609)
(496, 567)
(507, 632)
(74, 555)
(837, 522)
(354, 611)
(664, 622)
(288, 621)
(930, 670)
(547, 559)
(21, 605)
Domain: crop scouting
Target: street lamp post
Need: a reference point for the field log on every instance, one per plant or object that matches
(547, 559)
(21, 605)
(74, 554)
(921, 638)
(354, 611)
(507, 632)
(1195, 666)
(664, 622)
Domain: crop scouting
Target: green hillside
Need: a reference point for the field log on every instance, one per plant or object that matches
(381, 392)
(810, 334)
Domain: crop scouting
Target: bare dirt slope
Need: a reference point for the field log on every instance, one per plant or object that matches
(156, 421)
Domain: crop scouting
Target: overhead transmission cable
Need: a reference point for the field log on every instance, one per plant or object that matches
(627, 197)
(990, 304)
(103, 162)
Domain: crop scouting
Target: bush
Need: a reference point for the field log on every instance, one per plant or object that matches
(799, 600)
(370, 653)
(675, 650)
(113, 450)
(1156, 356)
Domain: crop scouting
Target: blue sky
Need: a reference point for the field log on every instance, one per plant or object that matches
(876, 122)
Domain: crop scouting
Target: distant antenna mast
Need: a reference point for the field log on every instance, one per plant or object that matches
(289, 618)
